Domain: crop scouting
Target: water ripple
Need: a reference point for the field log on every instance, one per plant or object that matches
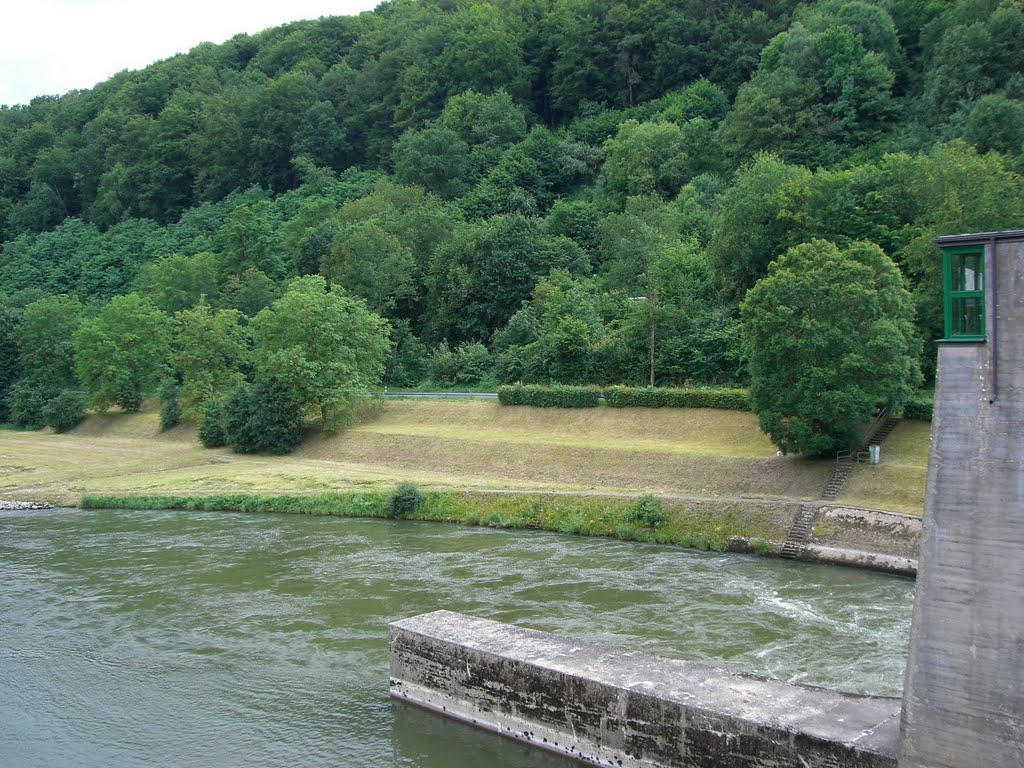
(202, 639)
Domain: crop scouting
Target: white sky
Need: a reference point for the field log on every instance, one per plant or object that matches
(50, 47)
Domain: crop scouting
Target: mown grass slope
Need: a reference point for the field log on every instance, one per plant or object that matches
(470, 445)
(897, 483)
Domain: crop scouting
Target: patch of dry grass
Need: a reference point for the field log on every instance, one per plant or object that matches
(438, 445)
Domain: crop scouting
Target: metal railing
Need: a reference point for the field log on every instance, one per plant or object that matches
(860, 453)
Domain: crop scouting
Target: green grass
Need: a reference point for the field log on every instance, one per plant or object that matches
(468, 446)
(897, 483)
(700, 524)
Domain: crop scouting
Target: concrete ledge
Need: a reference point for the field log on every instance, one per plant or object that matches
(901, 566)
(607, 706)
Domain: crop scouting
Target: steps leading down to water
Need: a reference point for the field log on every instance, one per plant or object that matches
(837, 480)
(800, 532)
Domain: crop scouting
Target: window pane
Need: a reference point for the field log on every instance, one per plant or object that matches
(968, 272)
(972, 279)
(969, 316)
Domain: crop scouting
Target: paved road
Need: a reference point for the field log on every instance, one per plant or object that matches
(444, 395)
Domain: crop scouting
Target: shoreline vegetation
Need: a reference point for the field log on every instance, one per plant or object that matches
(711, 474)
(736, 526)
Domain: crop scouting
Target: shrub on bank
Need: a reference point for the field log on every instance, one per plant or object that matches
(25, 403)
(665, 397)
(262, 418)
(211, 429)
(170, 408)
(647, 513)
(65, 411)
(557, 396)
(405, 501)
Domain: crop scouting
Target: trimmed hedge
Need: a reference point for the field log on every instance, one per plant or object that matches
(549, 397)
(659, 397)
(919, 408)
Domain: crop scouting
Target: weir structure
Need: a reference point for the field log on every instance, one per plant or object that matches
(963, 703)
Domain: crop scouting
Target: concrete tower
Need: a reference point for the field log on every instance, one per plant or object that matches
(963, 703)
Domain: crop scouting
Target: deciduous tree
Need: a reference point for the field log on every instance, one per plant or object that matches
(322, 346)
(211, 350)
(830, 339)
(122, 352)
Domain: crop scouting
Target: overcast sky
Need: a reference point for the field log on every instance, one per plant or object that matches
(54, 46)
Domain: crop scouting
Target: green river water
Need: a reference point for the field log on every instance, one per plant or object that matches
(221, 639)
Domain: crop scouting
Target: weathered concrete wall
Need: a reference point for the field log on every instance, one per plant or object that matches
(868, 530)
(865, 538)
(858, 558)
(607, 706)
(964, 695)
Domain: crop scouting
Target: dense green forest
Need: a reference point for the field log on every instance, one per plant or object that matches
(574, 191)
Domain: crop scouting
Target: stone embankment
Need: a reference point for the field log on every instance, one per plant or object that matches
(882, 541)
(11, 506)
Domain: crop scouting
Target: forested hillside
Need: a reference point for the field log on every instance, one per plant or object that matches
(576, 191)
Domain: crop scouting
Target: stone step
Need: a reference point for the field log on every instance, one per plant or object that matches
(837, 481)
(799, 532)
(884, 431)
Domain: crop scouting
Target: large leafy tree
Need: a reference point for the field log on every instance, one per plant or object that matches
(816, 95)
(489, 124)
(211, 350)
(122, 352)
(631, 243)
(645, 159)
(759, 220)
(434, 158)
(484, 273)
(373, 264)
(322, 346)
(251, 242)
(46, 340)
(951, 189)
(830, 339)
(178, 282)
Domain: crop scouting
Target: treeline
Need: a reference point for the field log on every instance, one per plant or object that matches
(571, 191)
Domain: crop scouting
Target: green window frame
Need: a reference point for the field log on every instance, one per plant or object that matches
(963, 277)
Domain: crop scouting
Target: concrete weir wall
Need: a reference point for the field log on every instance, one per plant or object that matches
(964, 694)
(607, 706)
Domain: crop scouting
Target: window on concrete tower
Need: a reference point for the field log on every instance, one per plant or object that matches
(964, 278)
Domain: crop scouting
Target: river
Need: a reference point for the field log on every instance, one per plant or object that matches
(226, 639)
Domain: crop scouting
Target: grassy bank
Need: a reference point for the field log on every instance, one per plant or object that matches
(897, 483)
(701, 524)
(465, 446)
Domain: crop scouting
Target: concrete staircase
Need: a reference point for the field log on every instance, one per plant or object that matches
(880, 429)
(883, 431)
(800, 532)
(837, 480)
